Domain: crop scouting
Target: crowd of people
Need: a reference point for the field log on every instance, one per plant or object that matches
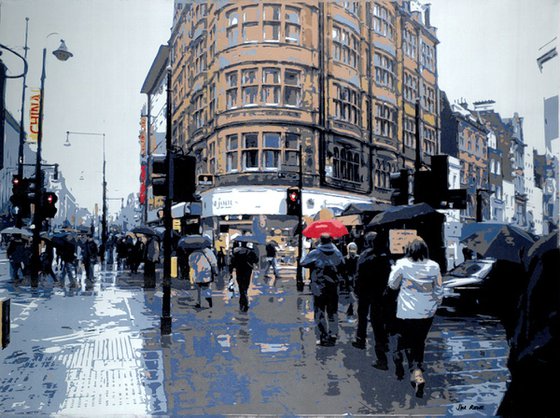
(399, 299)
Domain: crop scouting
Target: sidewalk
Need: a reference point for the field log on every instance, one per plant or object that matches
(100, 353)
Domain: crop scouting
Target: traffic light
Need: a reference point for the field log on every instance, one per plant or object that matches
(184, 177)
(48, 205)
(159, 175)
(19, 197)
(399, 182)
(293, 201)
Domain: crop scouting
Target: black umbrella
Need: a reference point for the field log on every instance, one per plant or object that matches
(63, 238)
(248, 238)
(194, 242)
(542, 246)
(144, 230)
(397, 214)
(499, 241)
(364, 208)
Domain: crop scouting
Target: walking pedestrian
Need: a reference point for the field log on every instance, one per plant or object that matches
(122, 251)
(271, 251)
(203, 270)
(151, 257)
(326, 263)
(420, 293)
(347, 285)
(68, 260)
(374, 267)
(46, 258)
(16, 256)
(243, 260)
(90, 255)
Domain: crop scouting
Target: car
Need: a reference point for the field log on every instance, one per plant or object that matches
(466, 286)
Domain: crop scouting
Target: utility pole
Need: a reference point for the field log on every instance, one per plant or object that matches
(299, 273)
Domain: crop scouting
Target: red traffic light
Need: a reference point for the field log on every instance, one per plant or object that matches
(293, 196)
(15, 181)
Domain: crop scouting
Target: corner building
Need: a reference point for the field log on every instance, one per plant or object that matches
(253, 83)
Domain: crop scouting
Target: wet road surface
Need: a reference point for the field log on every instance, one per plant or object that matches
(100, 352)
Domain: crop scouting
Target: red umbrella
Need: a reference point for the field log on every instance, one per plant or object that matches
(334, 228)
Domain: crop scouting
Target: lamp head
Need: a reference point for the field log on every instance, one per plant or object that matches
(62, 52)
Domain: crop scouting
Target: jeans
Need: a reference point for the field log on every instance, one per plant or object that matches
(271, 262)
(377, 319)
(15, 270)
(412, 340)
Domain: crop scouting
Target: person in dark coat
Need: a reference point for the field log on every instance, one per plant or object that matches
(350, 272)
(244, 259)
(151, 257)
(47, 258)
(533, 360)
(90, 254)
(16, 256)
(374, 267)
(122, 252)
(271, 251)
(68, 259)
(326, 264)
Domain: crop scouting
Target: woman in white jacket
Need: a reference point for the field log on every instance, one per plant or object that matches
(420, 294)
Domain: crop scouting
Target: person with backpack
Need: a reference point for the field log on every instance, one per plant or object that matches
(243, 260)
(325, 263)
(203, 268)
(271, 250)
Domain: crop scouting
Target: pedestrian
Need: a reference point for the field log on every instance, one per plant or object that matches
(151, 257)
(16, 256)
(420, 293)
(271, 251)
(122, 251)
(203, 271)
(374, 267)
(243, 260)
(347, 285)
(46, 258)
(110, 249)
(68, 260)
(90, 255)
(326, 263)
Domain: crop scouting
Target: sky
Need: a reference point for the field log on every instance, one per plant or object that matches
(487, 51)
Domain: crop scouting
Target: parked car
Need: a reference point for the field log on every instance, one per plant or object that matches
(466, 286)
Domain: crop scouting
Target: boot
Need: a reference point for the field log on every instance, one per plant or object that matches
(209, 300)
(417, 381)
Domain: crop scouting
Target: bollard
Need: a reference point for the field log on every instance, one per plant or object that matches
(5, 326)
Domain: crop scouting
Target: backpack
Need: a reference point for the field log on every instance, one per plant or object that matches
(327, 274)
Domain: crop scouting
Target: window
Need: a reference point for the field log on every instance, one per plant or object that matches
(231, 92)
(232, 156)
(382, 174)
(271, 86)
(429, 145)
(250, 31)
(410, 41)
(291, 149)
(250, 86)
(250, 151)
(383, 21)
(232, 30)
(271, 150)
(384, 71)
(292, 88)
(346, 47)
(428, 98)
(409, 132)
(427, 56)
(212, 157)
(199, 51)
(271, 23)
(385, 120)
(347, 105)
(293, 25)
(198, 111)
(351, 6)
(346, 164)
(410, 90)
(212, 99)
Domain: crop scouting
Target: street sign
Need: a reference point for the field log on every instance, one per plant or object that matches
(177, 224)
(205, 180)
(400, 238)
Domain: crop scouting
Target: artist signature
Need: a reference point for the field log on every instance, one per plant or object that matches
(471, 407)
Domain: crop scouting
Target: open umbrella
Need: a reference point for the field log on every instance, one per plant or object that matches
(144, 230)
(194, 242)
(63, 238)
(248, 238)
(499, 241)
(329, 226)
(398, 214)
(13, 230)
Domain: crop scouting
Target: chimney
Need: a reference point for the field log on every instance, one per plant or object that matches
(427, 15)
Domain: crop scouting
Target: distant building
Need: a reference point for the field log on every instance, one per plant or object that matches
(516, 156)
(534, 194)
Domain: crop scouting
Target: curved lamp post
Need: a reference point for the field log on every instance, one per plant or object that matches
(61, 54)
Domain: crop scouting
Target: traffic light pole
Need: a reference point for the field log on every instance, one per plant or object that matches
(37, 215)
(299, 273)
(167, 221)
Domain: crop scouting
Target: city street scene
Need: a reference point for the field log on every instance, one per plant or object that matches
(283, 208)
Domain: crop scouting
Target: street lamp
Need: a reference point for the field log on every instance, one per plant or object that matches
(21, 130)
(62, 54)
(104, 194)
